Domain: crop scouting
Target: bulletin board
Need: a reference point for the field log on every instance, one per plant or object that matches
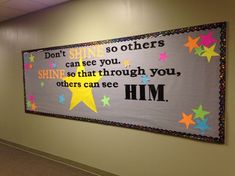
(169, 82)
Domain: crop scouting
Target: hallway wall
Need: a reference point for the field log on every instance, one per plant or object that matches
(120, 151)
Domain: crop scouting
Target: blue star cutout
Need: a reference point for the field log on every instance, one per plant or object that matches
(61, 99)
(145, 79)
(201, 125)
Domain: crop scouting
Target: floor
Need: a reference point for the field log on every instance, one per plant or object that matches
(15, 162)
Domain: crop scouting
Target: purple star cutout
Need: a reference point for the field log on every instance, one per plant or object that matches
(206, 40)
(163, 56)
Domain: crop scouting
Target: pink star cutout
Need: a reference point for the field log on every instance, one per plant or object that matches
(51, 65)
(163, 56)
(26, 66)
(31, 98)
(206, 40)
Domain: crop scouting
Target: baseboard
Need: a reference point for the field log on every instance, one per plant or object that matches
(71, 163)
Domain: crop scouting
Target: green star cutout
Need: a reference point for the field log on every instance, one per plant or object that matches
(42, 84)
(28, 104)
(105, 100)
(199, 50)
(200, 113)
(31, 58)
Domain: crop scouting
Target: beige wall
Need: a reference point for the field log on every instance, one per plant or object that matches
(118, 150)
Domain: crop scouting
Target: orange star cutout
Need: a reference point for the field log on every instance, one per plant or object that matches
(192, 43)
(187, 120)
(33, 107)
(30, 66)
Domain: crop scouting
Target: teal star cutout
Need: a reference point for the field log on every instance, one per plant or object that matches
(201, 125)
(199, 50)
(61, 99)
(31, 58)
(105, 100)
(54, 65)
(145, 79)
(200, 113)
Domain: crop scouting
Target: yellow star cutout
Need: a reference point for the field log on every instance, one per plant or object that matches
(126, 63)
(31, 58)
(209, 52)
(82, 94)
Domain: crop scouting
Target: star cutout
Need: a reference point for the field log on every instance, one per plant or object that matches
(30, 66)
(26, 67)
(105, 100)
(82, 94)
(192, 43)
(28, 104)
(61, 99)
(206, 40)
(31, 58)
(200, 113)
(42, 84)
(33, 107)
(202, 125)
(163, 56)
(199, 50)
(209, 52)
(187, 120)
(126, 63)
(145, 79)
(31, 98)
(52, 65)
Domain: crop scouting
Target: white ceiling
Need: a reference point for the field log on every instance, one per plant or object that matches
(14, 8)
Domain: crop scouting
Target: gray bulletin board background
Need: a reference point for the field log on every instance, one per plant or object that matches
(169, 82)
